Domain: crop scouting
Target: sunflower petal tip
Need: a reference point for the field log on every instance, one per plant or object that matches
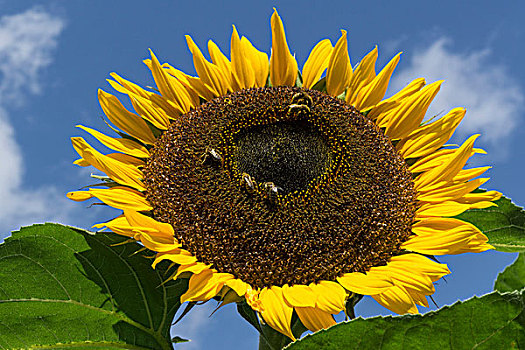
(235, 32)
(473, 137)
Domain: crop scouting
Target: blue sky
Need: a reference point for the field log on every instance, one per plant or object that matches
(54, 55)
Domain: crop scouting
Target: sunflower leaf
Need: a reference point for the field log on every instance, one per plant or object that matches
(249, 314)
(61, 285)
(178, 339)
(494, 321)
(320, 85)
(513, 278)
(504, 225)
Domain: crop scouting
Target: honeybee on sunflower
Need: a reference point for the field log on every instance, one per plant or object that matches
(287, 190)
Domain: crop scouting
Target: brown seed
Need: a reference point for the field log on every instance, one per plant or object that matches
(347, 201)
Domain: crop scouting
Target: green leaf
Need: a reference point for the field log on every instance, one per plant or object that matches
(494, 321)
(178, 339)
(63, 287)
(513, 278)
(320, 85)
(504, 225)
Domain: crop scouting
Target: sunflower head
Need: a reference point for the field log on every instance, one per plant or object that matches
(293, 192)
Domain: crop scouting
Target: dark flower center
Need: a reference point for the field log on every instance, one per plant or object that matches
(281, 186)
(290, 155)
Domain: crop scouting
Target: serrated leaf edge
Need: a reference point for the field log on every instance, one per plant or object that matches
(428, 314)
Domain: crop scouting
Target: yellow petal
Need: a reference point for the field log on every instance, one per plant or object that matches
(366, 284)
(119, 226)
(449, 168)
(472, 198)
(180, 257)
(339, 71)
(242, 69)
(331, 296)
(468, 174)
(443, 245)
(152, 113)
(122, 198)
(411, 89)
(363, 74)
(127, 87)
(316, 63)
(171, 88)
(122, 173)
(397, 300)
(195, 268)
(436, 226)
(276, 312)
(126, 121)
(238, 286)
(203, 286)
(406, 117)
(439, 236)
(258, 61)
(195, 85)
(447, 208)
(81, 162)
(283, 67)
(161, 231)
(382, 111)
(413, 272)
(450, 192)
(220, 60)
(482, 205)
(419, 264)
(210, 74)
(124, 158)
(421, 283)
(155, 244)
(79, 196)
(252, 298)
(228, 296)
(426, 139)
(299, 295)
(372, 93)
(436, 159)
(139, 220)
(315, 319)
(118, 144)
(134, 91)
(419, 299)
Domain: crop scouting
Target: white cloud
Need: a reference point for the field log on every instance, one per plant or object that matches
(493, 99)
(27, 42)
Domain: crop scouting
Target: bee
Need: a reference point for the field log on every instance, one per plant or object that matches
(247, 182)
(272, 191)
(302, 98)
(301, 103)
(298, 109)
(211, 156)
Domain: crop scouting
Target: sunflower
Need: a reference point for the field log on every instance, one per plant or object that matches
(293, 192)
